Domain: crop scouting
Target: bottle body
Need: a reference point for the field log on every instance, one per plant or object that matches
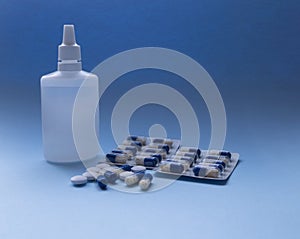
(58, 94)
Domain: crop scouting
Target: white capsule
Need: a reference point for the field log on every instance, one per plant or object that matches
(93, 170)
(146, 181)
(133, 179)
(102, 165)
(125, 174)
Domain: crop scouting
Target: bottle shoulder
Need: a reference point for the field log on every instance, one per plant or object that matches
(68, 78)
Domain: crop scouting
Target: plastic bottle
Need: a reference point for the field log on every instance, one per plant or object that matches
(58, 93)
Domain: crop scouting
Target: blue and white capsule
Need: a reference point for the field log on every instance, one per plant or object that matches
(172, 167)
(219, 153)
(158, 156)
(141, 139)
(191, 150)
(189, 161)
(155, 151)
(136, 144)
(187, 154)
(169, 142)
(145, 182)
(160, 146)
(117, 158)
(132, 149)
(146, 161)
(206, 171)
(224, 163)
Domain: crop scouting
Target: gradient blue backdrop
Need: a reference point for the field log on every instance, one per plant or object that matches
(250, 48)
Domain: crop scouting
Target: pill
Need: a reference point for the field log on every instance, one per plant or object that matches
(169, 142)
(102, 165)
(138, 169)
(102, 182)
(137, 138)
(145, 154)
(89, 176)
(215, 161)
(160, 146)
(133, 179)
(191, 149)
(79, 180)
(111, 177)
(188, 160)
(146, 161)
(132, 149)
(187, 154)
(183, 162)
(163, 153)
(125, 174)
(145, 182)
(219, 152)
(173, 167)
(136, 144)
(205, 171)
(117, 158)
(119, 151)
(218, 157)
(126, 167)
(217, 166)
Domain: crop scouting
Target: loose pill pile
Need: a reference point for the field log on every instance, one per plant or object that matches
(138, 159)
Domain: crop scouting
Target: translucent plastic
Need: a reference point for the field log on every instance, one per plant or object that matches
(58, 93)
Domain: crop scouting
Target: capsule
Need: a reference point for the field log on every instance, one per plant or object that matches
(117, 158)
(215, 161)
(111, 177)
(132, 149)
(146, 161)
(191, 149)
(119, 151)
(187, 154)
(160, 146)
(206, 171)
(158, 156)
(169, 142)
(172, 167)
(136, 144)
(219, 152)
(146, 181)
(155, 151)
(214, 165)
(126, 167)
(185, 163)
(218, 157)
(137, 138)
(188, 160)
(102, 182)
(134, 179)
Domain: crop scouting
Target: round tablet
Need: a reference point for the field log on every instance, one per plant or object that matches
(79, 180)
(89, 176)
(125, 174)
(138, 169)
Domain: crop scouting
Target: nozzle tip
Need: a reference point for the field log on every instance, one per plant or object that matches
(69, 35)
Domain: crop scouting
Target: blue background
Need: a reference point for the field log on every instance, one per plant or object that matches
(250, 48)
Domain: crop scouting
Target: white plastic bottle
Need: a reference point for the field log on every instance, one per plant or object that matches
(58, 94)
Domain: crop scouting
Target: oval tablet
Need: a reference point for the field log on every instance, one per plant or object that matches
(78, 180)
(138, 169)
